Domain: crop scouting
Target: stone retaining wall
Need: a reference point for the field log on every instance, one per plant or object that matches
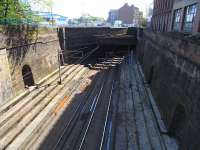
(171, 63)
(6, 91)
(39, 53)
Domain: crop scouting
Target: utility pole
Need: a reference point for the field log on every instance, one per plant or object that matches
(59, 68)
(51, 9)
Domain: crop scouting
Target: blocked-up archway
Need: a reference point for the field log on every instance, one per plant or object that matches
(151, 75)
(27, 76)
(178, 122)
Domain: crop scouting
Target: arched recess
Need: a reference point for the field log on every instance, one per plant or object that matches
(178, 122)
(151, 73)
(27, 76)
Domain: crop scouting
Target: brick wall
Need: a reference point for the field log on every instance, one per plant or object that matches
(39, 53)
(82, 37)
(171, 64)
(180, 4)
(79, 37)
(162, 15)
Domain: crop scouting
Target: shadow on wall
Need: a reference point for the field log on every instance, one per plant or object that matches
(151, 75)
(178, 123)
(18, 41)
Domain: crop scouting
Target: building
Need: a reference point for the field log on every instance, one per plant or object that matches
(186, 16)
(138, 18)
(112, 16)
(176, 15)
(162, 15)
(49, 18)
(128, 15)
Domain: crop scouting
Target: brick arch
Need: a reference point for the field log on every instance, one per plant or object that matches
(151, 74)
(178, 122)
(27, 75)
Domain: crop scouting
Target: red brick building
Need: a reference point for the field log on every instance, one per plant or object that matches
(162, 15)
(186, 16)
(176, 15)
(129, 15)
(126, 14)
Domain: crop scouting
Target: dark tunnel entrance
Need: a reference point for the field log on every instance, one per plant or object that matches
(27, 76)
(151, 75)
(178, 122)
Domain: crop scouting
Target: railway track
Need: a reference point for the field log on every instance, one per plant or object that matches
(115, 113)
(76, 135)
(78, 113)
(114, 110)
(99, 110)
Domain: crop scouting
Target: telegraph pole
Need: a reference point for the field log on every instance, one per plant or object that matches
(59, 68)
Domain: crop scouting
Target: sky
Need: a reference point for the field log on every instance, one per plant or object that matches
(98, 8)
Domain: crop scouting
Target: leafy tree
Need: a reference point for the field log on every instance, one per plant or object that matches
(87, 18)
(19, 12)
(13, 12)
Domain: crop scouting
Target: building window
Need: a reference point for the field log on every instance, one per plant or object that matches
(189, 17)
(177, 19)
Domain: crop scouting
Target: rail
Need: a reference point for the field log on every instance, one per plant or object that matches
(73, 120)
(92, 100)
(81, 107)
(96, 100)
(106, 120)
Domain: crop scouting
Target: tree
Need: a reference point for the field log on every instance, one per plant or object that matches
(19, 12)
(88, 19)
(12, 10)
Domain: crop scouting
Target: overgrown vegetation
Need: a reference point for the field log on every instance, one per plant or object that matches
(89, 18)
(17, 12)
(17, 18)
(20, 25)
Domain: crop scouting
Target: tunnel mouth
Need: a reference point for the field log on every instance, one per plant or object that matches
(151, 74)
(178, 123)
(27, 76)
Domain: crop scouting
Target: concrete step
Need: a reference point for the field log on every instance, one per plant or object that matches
(155, 128)
(47, 80)
(19, 112)
(161, 124)
(42, 130)
(143, 137)
(26, 100)
(31, 129)
(153, 133)
(18, 123)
